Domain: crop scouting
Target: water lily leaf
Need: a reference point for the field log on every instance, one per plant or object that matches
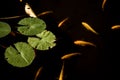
(43, 41)
(31, 26)
(4, 29)
(21, 55)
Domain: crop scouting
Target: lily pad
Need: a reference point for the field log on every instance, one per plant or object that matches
(21, 55)
(44, 40)
(4, 29)
(31, 26)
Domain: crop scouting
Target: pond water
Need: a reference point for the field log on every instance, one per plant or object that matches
(94, 63)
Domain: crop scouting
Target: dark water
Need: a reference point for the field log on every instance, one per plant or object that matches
(94, 63)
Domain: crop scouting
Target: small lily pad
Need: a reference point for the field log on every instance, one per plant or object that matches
(43, 41)
(31, 26)
(4, 29)
(21, 55)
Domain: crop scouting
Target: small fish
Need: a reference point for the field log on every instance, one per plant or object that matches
(62, 22)
(29, 10)
(83, 43)
(61, 73)
(12, 33)
(3, 46)
(46, 12)
(103, 4)
(88, 27)
(38, 73)
(67, 56)
(20, 0)
(115, 27)
(13, 17)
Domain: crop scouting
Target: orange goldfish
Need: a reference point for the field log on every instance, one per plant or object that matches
(88, 27)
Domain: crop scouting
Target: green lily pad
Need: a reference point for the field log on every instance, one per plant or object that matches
(31, 26)
(21, 55)
(44, 40)
(4, 29)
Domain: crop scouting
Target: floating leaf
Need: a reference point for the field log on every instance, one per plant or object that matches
(21, 55)
(4, 29)
(31, 26)
(43, 41)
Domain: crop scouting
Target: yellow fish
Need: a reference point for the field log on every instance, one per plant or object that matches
(83, 43)
(20, 0)
(88, 27)
(61, 73)
(29, 10)
(38, 73)
(115, 27)
(13, 17)
(62, 22)
(103, 4)
(46, 12)
(67, 56)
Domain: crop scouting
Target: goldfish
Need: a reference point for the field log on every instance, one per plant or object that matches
(12, 33)
(3, 46)
(62, 22)
(88, 27)
(83, 43)
(38, 73)
(13, 17)
(61, 73)
(43, 13)
(20, 0)
(103, 4)
(115, 27)
(29, 10)
(67, 56)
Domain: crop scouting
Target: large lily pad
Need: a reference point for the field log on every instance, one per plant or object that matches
(21, 55)
(31, 26)
(4, 29)
(43, 41)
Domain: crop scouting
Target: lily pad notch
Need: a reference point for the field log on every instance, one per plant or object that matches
(20, 55)
(31, 26)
